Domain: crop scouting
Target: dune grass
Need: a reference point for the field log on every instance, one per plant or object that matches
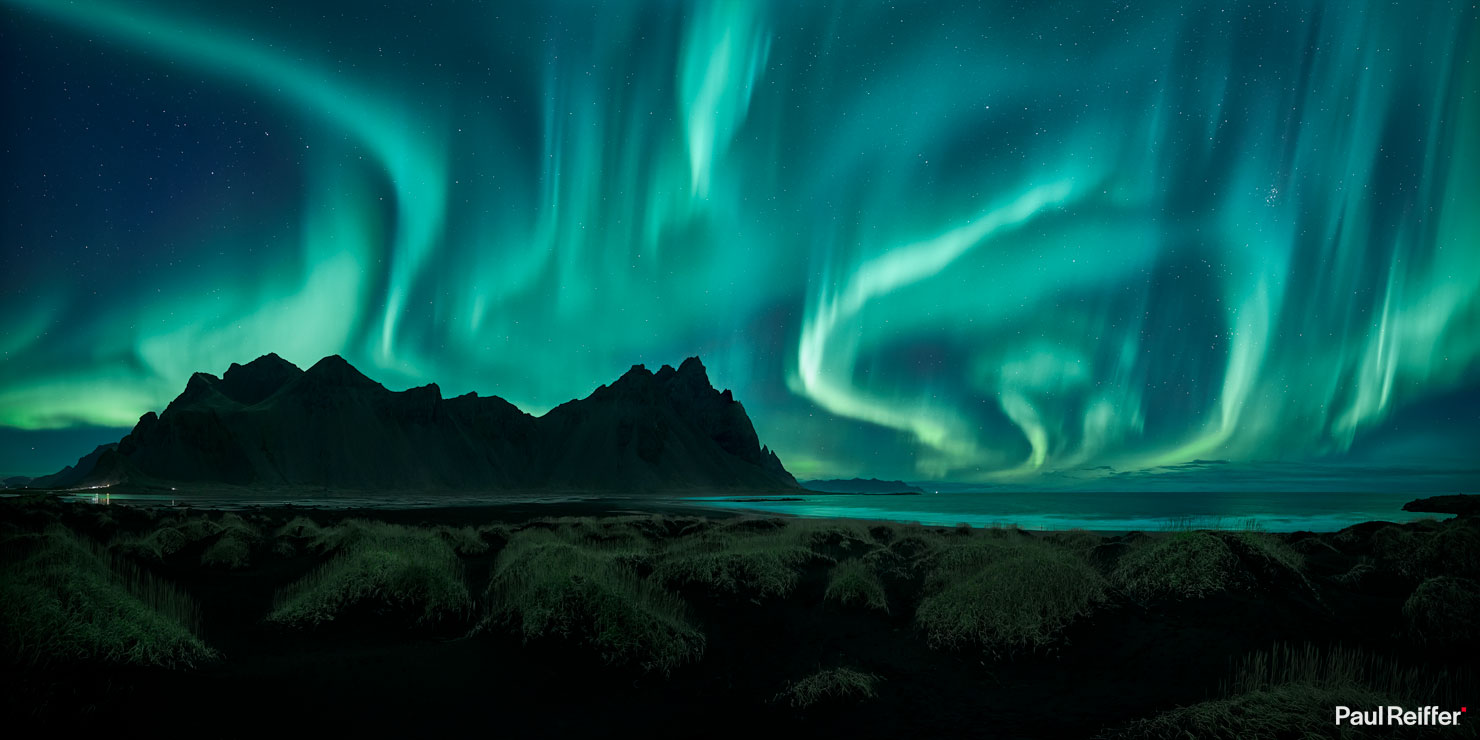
(909, 553)
(1452, 549)
(1293, 711)
(232, 547)
(1444, 610)
(463, 540)
(830, 685)
(761, 565)
(64, 598)
(383, 569)
(300, 527)
(1289, 691)
(833, 539)
(853, 582)
(1182, 565)
(230, 552)
(546, 587)
(1004, 593)
(152, 546)
(234, 544)
(1271, 548)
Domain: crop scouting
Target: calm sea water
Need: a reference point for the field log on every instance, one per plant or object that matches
(1119, 511)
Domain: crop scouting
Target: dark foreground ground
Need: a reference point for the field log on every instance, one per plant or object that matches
(516, 623)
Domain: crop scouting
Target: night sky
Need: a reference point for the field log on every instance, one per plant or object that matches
(1010, 243)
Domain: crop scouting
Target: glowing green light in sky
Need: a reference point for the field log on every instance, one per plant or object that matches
(976, 243)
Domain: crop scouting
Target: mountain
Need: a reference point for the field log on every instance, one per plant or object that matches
(859, 485)
(72, 475)
(270, 424)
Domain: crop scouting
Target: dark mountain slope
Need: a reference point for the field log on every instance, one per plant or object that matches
(268, 423)
(72, 475)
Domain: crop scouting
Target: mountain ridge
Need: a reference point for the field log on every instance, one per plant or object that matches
(268, 423)
(860, 485)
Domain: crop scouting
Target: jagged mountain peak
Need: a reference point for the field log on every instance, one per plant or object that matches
(257, 380)
(268, 362)
(693, 366)
(269, 423)
(337, 370)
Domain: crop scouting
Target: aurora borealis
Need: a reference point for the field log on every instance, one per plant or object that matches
(994, 242)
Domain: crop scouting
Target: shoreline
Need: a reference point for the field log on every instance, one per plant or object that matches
(526, 507)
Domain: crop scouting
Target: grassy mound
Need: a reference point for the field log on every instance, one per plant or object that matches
(63, 598)
(232, 540)
(1294, 711)
(759, 564)
(153, 546)
(233, 547)
(1444, 611)
(384, 569)
(1270, 548)
(853, 582)
(1006, 595)
(300, 527)
(830, 685)
(546, 587)
(230, 552)
(1290, 692)
(832, 539)
(463, 540)
(1184, 565)
(1453, 549)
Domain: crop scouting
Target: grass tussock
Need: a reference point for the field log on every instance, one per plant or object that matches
(465, 541)
(1005, 594)
(1184, 565)
(1453, 549)
(759, 564)
(1289, 691)
(1444, 611)
(1271, 548)
(300, 527)
(153, 546)
(910, 552)
(234, 544)
(383, 569)
(545, 586)
(1075, 540)
(232, 540)
(1449, 548)
(830, 685)
(854, 582)
(1294, 711)
(63, 598)
(229, 552)
(834, 539)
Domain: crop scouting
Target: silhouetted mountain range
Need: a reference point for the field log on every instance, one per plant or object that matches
(72, 475)
(270, 424)
(861, 485)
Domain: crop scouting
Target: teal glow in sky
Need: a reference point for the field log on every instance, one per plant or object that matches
(1003, 243)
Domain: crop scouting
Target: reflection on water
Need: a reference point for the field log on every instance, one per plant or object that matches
(1273, 512)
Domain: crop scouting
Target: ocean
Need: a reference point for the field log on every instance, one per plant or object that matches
(1039, 510)
(1111, 511)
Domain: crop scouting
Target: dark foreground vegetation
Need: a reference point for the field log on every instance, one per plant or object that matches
(167, 622)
